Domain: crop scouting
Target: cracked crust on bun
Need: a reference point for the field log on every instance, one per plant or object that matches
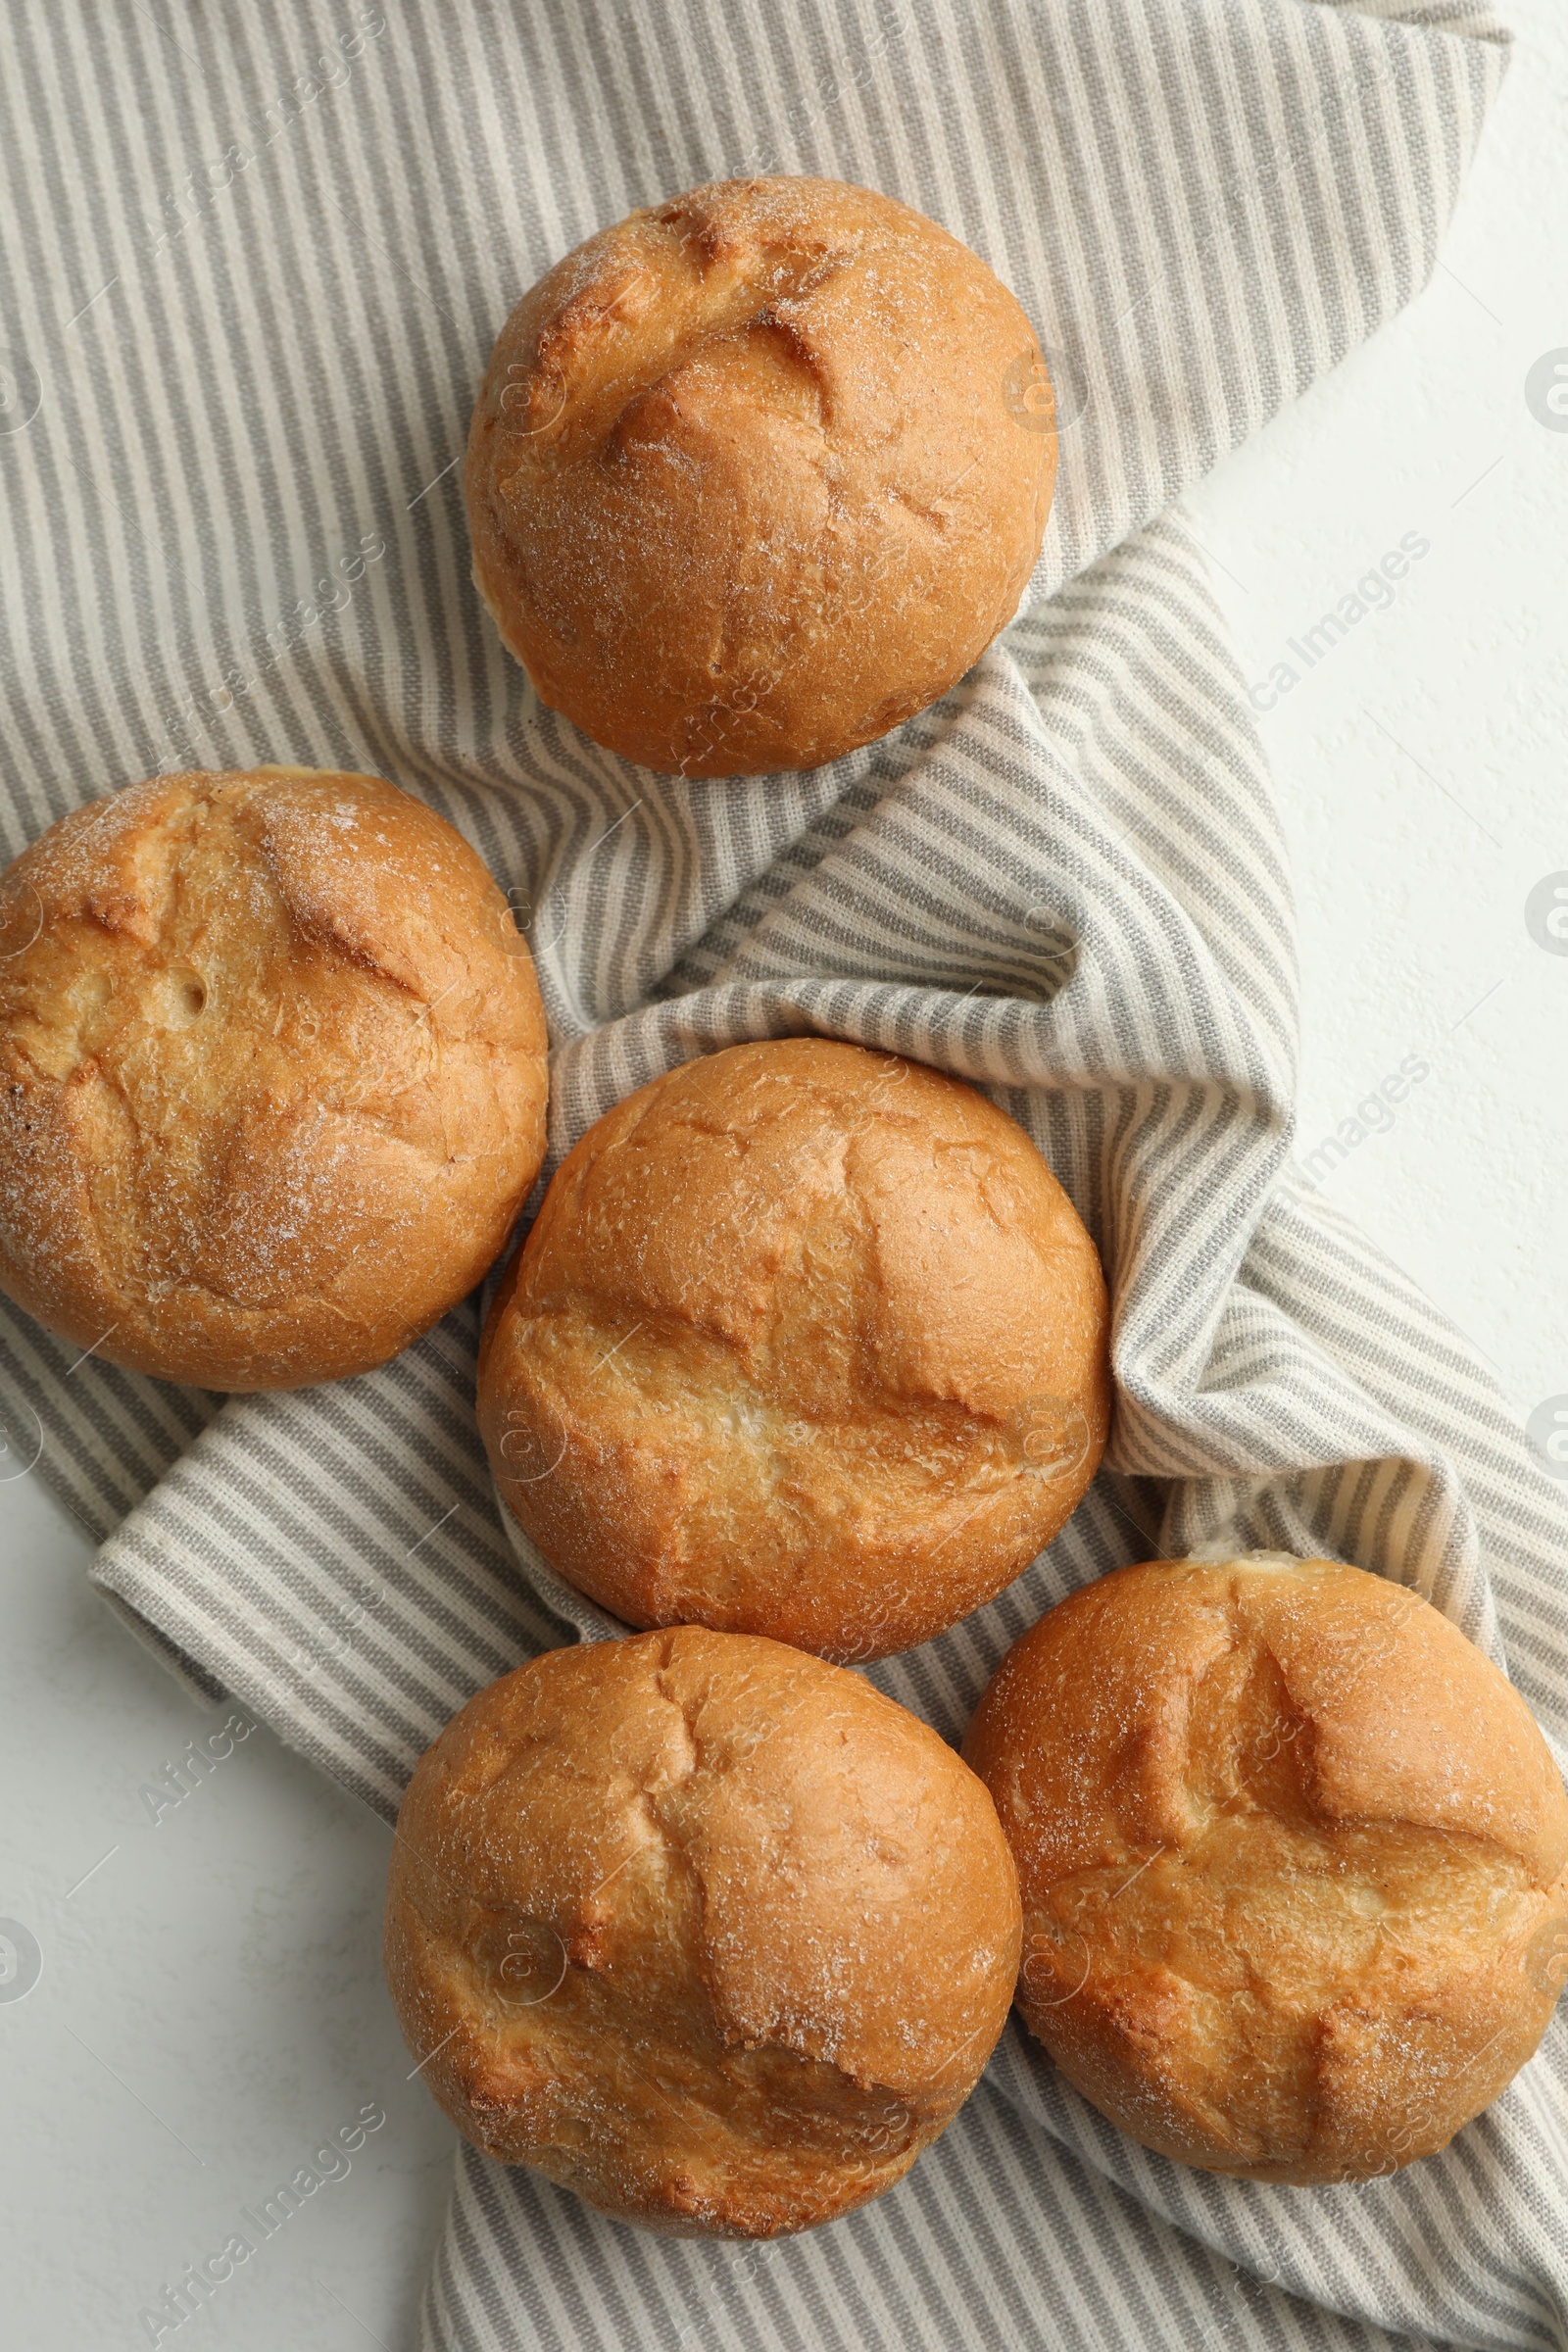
(702, 1928)
(1292, 1857)
(272, 1076)
(806, 1342)
(758, 473)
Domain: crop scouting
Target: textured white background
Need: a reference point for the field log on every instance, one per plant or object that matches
(210, 2008)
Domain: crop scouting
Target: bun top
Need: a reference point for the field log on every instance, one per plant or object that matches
(1129, 1709)
(820, 1824)
(274, 1075)
(756, 474)
(710, 1930)
(806, 1340)
(1294, 1859)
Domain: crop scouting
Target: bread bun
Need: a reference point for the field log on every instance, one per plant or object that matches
(1292, 1856)
(701, 1927)
(758, 473)
(806, 1342)
(274, 1076)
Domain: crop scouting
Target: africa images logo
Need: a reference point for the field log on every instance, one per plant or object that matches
(1374, 592)
(21, 1961)
(1546, 913)
(21, 392)
(1546, 1957)
(1546, 1432)
(1546, 391)
(1045, 391)
(1374, 1114)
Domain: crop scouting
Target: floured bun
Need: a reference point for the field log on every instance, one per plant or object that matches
(272, 1076)
(806, 1342)
(704, 1929)
(758, 473)
(1292, 1856)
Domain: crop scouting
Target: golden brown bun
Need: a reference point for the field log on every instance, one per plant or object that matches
(702, 1928)
(1293, 1859)
(806, 1342)
(758, 473)
(272, 1076)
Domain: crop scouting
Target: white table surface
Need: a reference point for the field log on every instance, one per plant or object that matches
(210, 2006)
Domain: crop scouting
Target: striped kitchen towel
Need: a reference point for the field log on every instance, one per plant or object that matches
(260, 275)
